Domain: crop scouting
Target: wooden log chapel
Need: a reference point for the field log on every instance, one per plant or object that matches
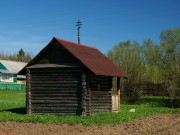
(69, 78)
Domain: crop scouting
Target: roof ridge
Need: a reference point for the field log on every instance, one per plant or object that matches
(75, 43)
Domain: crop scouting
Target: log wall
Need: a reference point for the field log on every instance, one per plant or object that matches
(54, 91)
(101, 97)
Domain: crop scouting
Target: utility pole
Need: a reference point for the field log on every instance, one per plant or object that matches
(78, 24)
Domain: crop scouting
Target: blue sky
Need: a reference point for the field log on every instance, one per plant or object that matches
(31, 24)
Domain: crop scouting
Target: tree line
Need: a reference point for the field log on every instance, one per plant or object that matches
(150, 62)
(20, 56)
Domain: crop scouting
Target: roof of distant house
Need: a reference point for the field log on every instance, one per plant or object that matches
(13, 66)
(5, 71)
(90, 57)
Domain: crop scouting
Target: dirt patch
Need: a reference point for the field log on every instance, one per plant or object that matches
(168, 124)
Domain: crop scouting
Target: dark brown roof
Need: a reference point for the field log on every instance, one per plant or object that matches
(90, 57)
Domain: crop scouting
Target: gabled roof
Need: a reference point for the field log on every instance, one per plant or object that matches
(90, 57)
(13, 66)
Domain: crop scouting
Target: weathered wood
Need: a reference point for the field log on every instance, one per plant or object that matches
(55, 82)
(57, 94)
(57, 109)
(115, 104)
(84, 94)
(51, 78)
(57, 54)
(54, 85)
(118, 92)
(57, 113)
(28, 93)
(54, 97)
(101, 99)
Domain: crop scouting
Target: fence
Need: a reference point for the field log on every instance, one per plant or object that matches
(155, 89)
(12, 86)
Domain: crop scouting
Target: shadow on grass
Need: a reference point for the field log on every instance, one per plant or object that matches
(21, 110)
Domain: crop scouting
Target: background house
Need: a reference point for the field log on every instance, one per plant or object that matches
(7, 76)
(69, 78)
(9, 70)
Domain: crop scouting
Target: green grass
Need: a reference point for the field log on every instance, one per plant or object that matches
(12, 108)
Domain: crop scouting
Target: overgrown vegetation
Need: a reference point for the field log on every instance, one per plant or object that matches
(150, 62)
(12, 108)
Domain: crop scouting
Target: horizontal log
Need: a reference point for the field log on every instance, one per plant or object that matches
(33, 76)
(54, 85)
(104, 84)
(74, 104)
(101, 103)
(56, 74)
(57, 91)
(54, 70)
(64, 88)
(58, 113)
(96, 92)
(55, 98)
(49, 109)
(56, 82)
(100, 107)
(52, 78)
(100, 95)
(55, 101)
(44, 99)
(53, 93)
(94, 87)
(61, 108)
(100, 98)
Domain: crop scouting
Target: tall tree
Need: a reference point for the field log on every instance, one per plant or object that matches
(21, 55)
(170, 51)
(151, 59)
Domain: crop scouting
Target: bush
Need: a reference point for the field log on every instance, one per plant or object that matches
(175, 97)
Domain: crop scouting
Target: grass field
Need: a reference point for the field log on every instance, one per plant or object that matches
(12, 108)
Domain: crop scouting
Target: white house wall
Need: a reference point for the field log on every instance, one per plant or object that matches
(6, 78)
